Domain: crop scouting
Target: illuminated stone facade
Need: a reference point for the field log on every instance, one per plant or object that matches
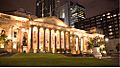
(44, 35)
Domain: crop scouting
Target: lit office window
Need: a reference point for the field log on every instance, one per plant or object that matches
(108, 13)
(110, 26)
(103, 14)
(110, 36)
(119, 14)
(38, 4)
(100, 18)
(71, 8)
(110, 33)
(114, 15)
(110, 29)
(108, 16)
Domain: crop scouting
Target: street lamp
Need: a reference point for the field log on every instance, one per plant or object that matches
(106, 44)
(106, 39)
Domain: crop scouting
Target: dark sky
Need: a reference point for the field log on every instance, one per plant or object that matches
(93, 7)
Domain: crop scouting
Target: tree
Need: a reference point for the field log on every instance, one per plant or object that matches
(95, 42)
(3, 38)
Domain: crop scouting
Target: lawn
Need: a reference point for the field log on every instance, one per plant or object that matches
(47, 59)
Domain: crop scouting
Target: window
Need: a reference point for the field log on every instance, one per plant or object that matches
(99, 25)
(110, 26)
(15, 34)
(103, 14)
(111, 36)
(98, 22)
(110, 29)
(111, 23)
(108, 14)
(115, 21)
(114, 15)
(110, 33)
(116, 25)
(115, 18)
(100, 18)
(104, 27)
(119, 14)
(116, 28)
(117, 32)
(38, 4)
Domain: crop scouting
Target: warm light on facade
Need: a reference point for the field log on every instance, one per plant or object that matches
(2, 45)
(98, 40)
(9, 37)
(58, 39)
(41, 38)
(14, 45)
(47, 35)
(77, 48)
(23, 30)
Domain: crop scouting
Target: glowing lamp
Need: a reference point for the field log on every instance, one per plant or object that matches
(106, 39)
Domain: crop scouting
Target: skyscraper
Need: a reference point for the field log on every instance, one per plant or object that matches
(66, 10)
(108, 22)
(77, 13)
(45, 8)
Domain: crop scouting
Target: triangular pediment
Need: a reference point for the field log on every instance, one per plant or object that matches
(51, 20)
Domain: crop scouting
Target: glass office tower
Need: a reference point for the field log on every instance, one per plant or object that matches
(108, 22)
(70, 12)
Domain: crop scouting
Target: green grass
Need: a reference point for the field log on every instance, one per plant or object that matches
(47, 59)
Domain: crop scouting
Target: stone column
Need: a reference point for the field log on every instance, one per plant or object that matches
(60, 40)
(47, 40)
(69, 39)
(50, 41)
(55, 40)
(79, 45)
(29, 40)
(65, 41)
(31, 48)
(74, 51)
(38, 40)
(44, 40)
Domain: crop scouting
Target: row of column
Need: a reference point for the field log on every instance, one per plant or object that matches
(54, 41)
(49, 40)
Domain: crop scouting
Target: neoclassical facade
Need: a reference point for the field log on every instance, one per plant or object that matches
(43, 35)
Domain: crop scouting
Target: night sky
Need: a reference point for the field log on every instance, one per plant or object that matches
(93, 7)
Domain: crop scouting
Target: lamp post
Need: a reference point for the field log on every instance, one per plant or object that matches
(106, 44)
